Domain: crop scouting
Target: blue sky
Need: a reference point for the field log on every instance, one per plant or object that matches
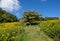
(50, 8)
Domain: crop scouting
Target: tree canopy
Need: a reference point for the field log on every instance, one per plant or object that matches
(31, 17)
(7, 17)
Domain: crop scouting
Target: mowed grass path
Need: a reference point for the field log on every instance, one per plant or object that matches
(33, 33)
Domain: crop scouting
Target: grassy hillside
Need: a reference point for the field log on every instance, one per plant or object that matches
(52, 29)
(45, 31)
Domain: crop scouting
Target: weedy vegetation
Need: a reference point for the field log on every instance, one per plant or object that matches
(45, 31)
(31, 27)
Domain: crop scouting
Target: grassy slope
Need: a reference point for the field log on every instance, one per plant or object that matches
(32, 33)
(51, 28)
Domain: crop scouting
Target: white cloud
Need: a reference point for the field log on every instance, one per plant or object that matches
(10, 5)
(43, 0)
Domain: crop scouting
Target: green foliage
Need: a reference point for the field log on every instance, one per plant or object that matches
(13, 34)
(51, 18)
(21, 33)
(51, 28)
(46, 31)
(1, 18)
(31, 17)
(7, 17)
(11, 18)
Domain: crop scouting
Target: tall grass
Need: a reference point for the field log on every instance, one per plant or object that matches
(10, 32)
(52, 29)
(46, 31)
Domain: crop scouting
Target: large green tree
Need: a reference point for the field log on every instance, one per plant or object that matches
(31, 17)
(7, 17)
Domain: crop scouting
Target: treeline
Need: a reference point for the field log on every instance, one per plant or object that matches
(7, 17)
(48, 18)
(34, 18)
(28, 16)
